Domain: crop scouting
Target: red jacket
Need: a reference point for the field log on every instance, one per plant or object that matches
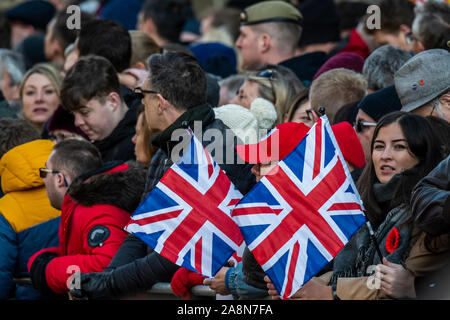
(93, 216)
(356, 44)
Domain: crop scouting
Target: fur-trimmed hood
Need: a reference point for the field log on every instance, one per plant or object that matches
(122, 186)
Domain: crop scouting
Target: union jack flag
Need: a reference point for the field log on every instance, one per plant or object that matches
(298, 217)
(187, 216)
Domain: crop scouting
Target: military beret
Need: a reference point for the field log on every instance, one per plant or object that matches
(271, 11)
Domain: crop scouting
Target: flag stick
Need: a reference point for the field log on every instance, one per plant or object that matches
(374, 240)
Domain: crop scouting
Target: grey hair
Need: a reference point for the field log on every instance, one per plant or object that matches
(431, 25)
(14, 65)
(380, 67)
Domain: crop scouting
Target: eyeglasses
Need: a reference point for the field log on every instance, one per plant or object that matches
(360, 125)
(44, 171)
(410, 38)
(139, 90)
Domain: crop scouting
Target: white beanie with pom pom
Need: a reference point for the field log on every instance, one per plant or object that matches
(240, 120)
(265, 113)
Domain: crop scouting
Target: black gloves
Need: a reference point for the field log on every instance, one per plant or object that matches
(95, 285)
(37, 272)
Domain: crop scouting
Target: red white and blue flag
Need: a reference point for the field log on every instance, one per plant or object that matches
(187, 216)
(298, 217)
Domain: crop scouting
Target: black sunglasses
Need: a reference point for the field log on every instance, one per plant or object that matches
(44, 171)
(360, 125)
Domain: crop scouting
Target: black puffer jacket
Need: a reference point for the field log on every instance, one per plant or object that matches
(136, 266)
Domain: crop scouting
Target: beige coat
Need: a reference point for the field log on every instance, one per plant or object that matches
(420, 262)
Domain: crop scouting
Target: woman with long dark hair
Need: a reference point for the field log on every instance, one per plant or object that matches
(404, 149)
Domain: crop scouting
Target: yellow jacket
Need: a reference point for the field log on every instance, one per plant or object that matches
(27, 220)
(25, 202)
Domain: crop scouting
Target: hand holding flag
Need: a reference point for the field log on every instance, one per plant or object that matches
(297, 218)
(187, 216)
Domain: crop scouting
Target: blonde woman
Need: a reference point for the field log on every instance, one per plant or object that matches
(274, 83)
(39, 94)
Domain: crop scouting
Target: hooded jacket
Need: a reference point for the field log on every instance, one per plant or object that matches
(28, 222)
(93, 215)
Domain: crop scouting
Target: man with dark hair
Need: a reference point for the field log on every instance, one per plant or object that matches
(95, 202)
(28, 222)
(163, 21)
(58, 36)
(396, 18)
(92, 92)
(108, 39)
(169, 106)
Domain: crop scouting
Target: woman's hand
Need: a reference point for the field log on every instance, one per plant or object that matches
(396, 281)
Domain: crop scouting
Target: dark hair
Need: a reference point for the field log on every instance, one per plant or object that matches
(5, 32)
(441, 129)
(350, 13)
(14, 132)
(433, 25)
(90, 77)
(394, 13)
(179, 78)
(62, 33)
(169, 16)
(76, 157)
(108, 39)
(422, 142)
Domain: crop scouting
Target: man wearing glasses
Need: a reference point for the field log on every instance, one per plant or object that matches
(94, 212)
(174, 97)
(423, 84)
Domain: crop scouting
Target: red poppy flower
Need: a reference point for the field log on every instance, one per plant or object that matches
(392, 240)
(421, 82)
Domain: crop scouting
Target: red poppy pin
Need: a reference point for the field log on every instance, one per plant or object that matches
(392, 240)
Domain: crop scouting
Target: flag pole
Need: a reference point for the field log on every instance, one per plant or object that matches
(321, 110)
(372, 237)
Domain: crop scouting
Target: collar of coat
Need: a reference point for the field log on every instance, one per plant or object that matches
(120, 186)
(203, 113)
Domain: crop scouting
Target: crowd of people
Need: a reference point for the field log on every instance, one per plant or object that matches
(88, 118)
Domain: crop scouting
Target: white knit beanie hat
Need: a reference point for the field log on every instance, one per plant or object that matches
(240, 120)
(265, 113)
